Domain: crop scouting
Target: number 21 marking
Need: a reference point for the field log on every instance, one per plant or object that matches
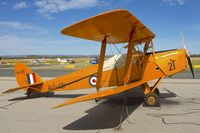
(171, 65)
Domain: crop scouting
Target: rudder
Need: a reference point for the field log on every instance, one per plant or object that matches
(24, 75)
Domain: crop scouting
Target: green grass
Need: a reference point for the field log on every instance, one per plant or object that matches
(196, 61)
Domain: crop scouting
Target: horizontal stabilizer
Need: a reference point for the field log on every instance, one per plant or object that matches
(13, 90)
(101, 94)
(20, 88)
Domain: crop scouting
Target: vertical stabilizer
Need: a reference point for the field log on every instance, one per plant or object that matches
(24, 75)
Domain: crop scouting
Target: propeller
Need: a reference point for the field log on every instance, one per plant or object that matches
(188, 55)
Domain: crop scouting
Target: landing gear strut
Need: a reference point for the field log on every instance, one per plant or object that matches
(157, 91)
(96, 100)
(28, 93)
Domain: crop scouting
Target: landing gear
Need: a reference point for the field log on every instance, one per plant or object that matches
(28, 93)
(96, 100)
(157, 91)
(151, 94)
(151, 99)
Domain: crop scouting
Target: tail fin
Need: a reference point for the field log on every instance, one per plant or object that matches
(24, 75)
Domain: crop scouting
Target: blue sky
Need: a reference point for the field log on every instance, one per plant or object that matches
(33, 27)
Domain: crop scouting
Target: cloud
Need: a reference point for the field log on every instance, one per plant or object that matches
(9, 42)
(4, 3)
(14, 44)
(20, 5)
(16, 25)
(174, 2)
(48, 7)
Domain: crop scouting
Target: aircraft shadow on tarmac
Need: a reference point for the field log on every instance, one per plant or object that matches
(164, 98)
(107, 113)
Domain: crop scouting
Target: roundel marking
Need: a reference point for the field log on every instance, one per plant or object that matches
(93, 80)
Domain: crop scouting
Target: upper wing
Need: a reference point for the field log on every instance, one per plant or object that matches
(20, 88)
(116, 25)
(101, 94)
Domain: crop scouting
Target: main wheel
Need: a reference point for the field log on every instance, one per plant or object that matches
(96, 100)
(28, 93)
(151, 99)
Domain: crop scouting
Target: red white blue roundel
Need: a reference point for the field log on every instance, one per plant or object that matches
(93, 80)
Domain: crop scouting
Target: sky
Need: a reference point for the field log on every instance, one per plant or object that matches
(33, 27)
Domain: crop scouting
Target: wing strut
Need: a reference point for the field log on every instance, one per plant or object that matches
(101, 62)
(129, 56)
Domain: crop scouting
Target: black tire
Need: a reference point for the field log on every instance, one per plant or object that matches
(96, 100)
(157, 91)
(52, 93)
(49, 94)
(151, 99)
(28, 93)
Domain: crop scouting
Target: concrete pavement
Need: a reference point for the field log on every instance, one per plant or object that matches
(179, 111)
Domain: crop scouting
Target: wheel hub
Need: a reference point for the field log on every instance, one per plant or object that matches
(151, 100)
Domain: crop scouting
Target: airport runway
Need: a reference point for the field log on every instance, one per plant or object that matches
(9, 72)
(179, 111)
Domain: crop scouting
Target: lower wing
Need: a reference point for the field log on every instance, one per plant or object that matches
(101, 94)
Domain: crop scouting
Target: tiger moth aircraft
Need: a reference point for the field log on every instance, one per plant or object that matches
(118, 74)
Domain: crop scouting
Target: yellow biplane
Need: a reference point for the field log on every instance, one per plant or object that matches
(122, 72)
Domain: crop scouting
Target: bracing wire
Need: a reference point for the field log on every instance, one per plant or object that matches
(114, 58)
(121, 51)
(124, 107)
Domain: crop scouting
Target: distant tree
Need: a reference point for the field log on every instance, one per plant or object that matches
(195, 55)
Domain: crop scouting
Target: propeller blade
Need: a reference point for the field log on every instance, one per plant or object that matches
(187, 55)
(190, 65)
